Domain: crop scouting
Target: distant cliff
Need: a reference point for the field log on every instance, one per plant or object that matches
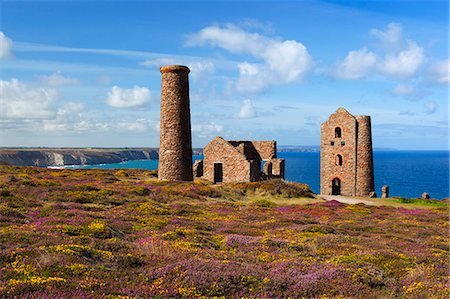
(61, 157)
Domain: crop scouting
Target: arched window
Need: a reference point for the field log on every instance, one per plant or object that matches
(337, 132)
(336, 186)
(339, 160)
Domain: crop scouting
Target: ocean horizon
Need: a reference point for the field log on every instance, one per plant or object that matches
(407, 173)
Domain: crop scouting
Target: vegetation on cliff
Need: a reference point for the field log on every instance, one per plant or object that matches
(123, 234)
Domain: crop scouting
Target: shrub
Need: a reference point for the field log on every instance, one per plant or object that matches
(140, 191)
(264, 203)
(5, 193)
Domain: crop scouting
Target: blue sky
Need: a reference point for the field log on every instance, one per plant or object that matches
(86, 73)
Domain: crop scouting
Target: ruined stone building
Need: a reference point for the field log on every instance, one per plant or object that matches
(346, 160)
(237, 161)
(175, 150)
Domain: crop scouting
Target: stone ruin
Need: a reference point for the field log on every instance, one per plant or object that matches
(239, 161)
(385, 191)
(425, 195)
(346, 162)
(346, 159)
(225, 161)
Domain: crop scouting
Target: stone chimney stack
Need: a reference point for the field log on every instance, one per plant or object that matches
(364, 162)
(175, 149)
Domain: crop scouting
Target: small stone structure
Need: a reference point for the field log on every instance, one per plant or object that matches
(346, 160)
(175, 150)
(385, 191)
(240, 161)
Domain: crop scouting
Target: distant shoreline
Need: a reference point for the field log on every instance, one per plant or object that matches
(281, 148)
(63, 157)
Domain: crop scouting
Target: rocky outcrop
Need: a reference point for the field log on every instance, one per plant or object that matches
(61, 157)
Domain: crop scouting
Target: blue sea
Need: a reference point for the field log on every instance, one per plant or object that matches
(408, 173)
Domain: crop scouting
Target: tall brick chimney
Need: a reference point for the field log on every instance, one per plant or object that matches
(175, 149)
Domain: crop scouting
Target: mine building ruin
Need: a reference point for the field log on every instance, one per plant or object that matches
(346, 159)
(239, 161)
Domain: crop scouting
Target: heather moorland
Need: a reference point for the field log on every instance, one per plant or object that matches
(124, 234)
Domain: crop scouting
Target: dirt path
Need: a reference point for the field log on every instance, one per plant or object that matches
(351, 200)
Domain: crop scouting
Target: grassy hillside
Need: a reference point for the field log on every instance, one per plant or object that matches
(123, 234)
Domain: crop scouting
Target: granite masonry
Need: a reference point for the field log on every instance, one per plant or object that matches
(238, 161)
(175, 151)
(385, 191)
(346, 159)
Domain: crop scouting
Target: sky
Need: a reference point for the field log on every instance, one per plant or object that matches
(86, 73)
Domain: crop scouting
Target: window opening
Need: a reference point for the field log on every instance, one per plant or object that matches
(337, 132)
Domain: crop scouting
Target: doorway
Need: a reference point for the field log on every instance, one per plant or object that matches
(336, 186)
(218, 173)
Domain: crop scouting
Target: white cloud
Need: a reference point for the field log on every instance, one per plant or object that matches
(404, 63)
(281, 61)
(5, 46)
(138, 126)
(198, 68)
(392, 35)
(247, 110)
(24, 102)
(403, 90)
(357, 64)
(396, 58)
(431, 107)
(252, 77)
(230, 38)
(56, 79)
(253, 24)
(127, 98)
(289, 59)
(440, 71)
(206, 129)
(70, 118)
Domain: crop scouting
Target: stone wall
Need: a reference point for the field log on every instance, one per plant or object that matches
(346, 154)
(235, 166)
(267, 149)
(332, 146)
(277, 168)
(241, 160)
(175, 152)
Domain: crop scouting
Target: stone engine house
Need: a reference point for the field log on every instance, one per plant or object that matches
(238, 161)
(346, 159)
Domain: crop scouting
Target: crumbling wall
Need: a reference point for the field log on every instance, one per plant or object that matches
(274, 169)
(241, 160)
(235, 166)
(266, 149)
(197, 168)
(277, 168)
